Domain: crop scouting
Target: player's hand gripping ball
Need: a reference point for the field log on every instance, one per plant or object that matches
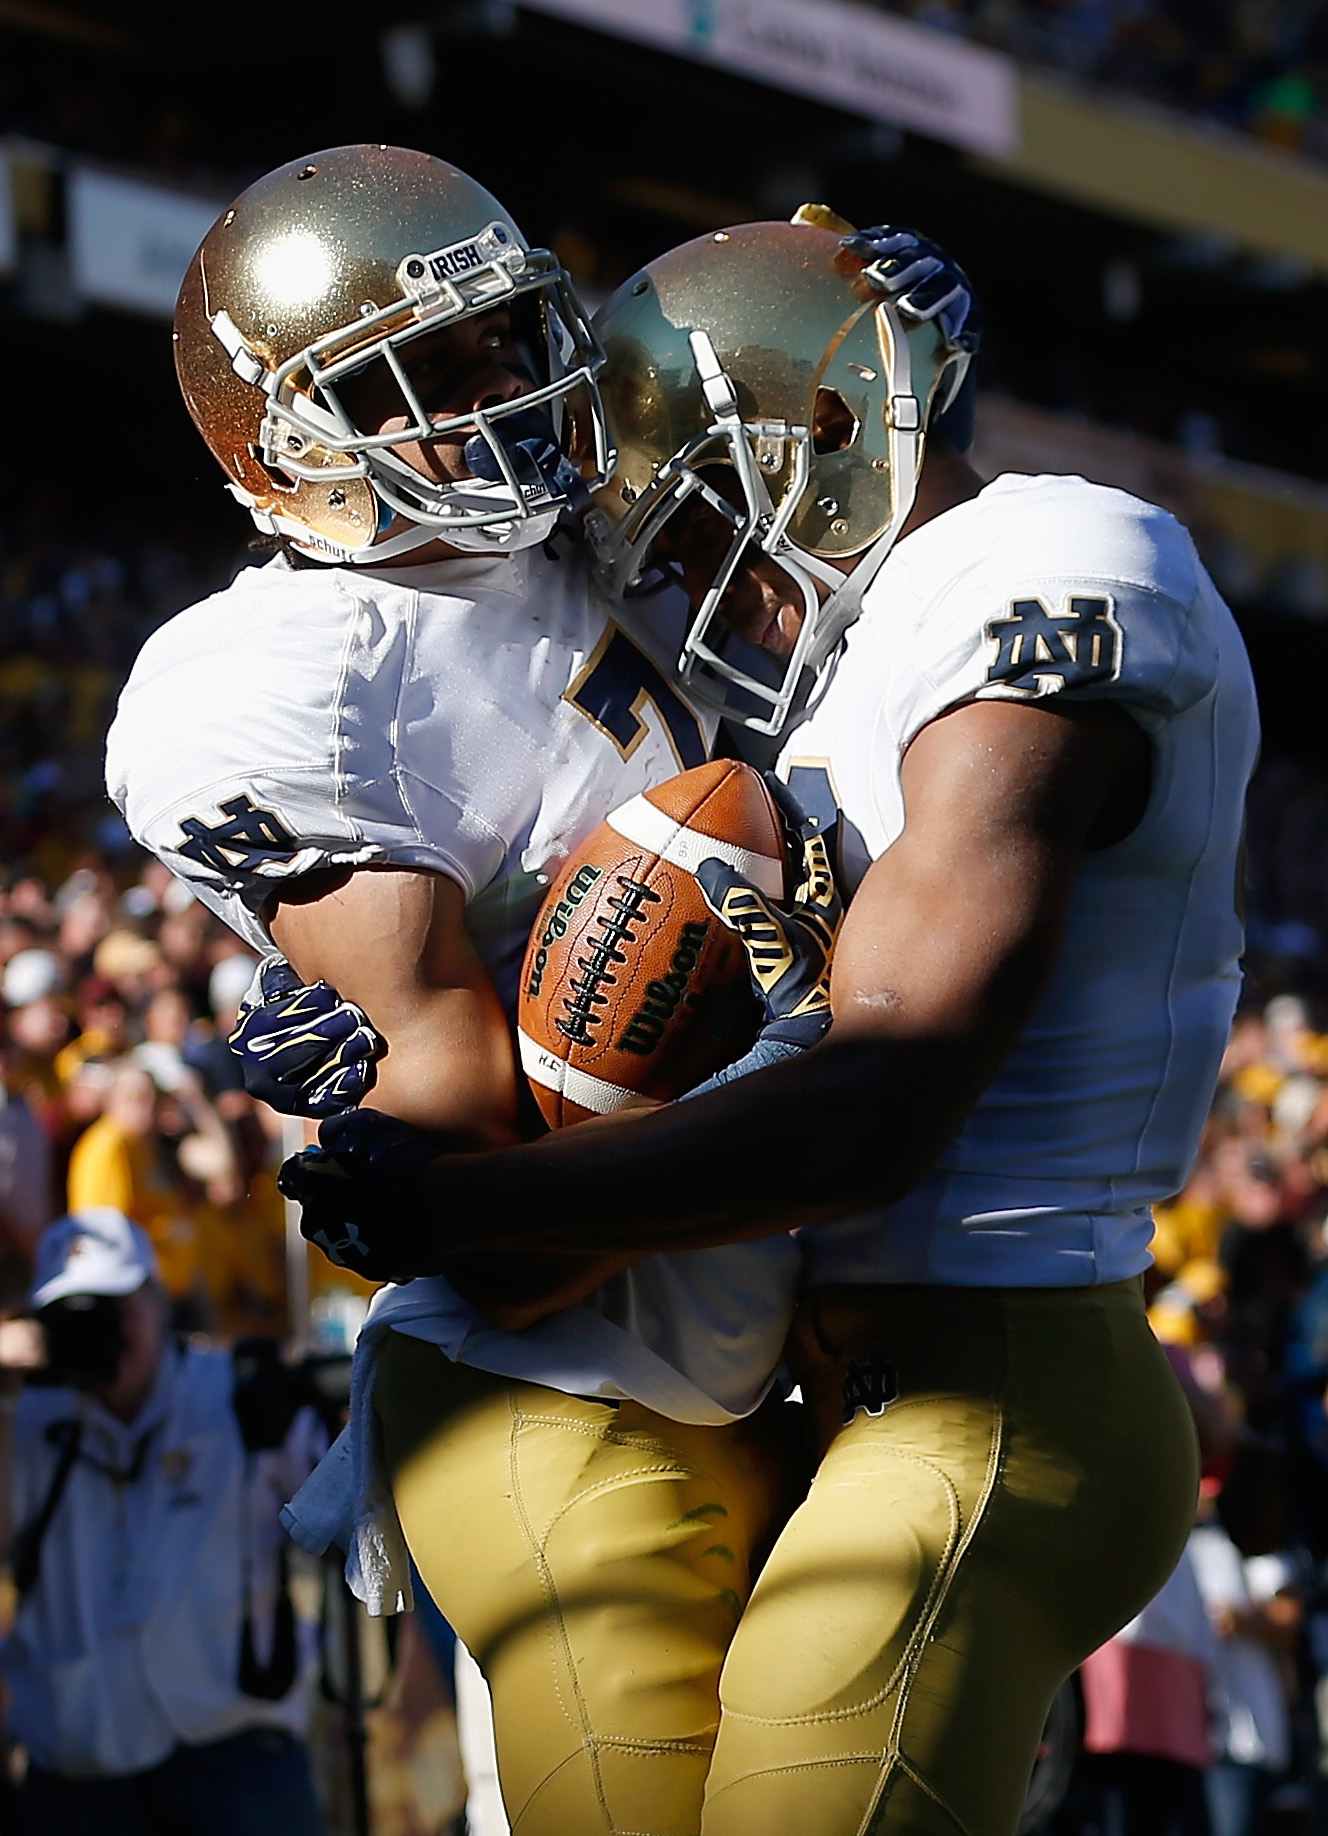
(355, 1194)
(789, 949)
(302, 1049)
(631, 988)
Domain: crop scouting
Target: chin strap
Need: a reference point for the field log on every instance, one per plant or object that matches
(906, 435)
(498, 539)
(404, 543)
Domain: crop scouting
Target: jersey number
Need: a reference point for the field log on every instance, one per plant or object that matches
(615, 686)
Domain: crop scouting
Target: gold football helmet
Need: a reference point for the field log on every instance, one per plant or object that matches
(330, 265)
(764, 348)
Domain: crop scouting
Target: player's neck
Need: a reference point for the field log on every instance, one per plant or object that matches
(946, 479)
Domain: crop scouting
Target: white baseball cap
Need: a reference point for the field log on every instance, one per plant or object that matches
(229, 982)
(31, 975)
(93, 1251)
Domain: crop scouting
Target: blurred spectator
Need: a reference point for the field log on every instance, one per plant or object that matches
(226, 987)
(103, 1020)
(1146, 1716)
(130, 963)
(154, 1664)
(1256, 1615)
(32, 975)
(137, 1158)
(25, 1183)
(127, 1083)
(163, 1049)
(84, 921)
(37, 1033)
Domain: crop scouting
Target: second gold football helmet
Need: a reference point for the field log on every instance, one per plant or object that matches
(766, 349)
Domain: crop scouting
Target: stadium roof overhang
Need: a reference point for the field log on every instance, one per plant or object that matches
(1109, 152)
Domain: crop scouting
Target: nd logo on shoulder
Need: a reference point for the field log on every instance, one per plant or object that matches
(244, 838)
(1041, 652)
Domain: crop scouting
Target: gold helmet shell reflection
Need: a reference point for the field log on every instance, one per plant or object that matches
(788, 314)
(341, 258)
(767, 349)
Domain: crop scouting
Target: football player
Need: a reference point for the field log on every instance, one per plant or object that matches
(373, 752)
(1039, 734)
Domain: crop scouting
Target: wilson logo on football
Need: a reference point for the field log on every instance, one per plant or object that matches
(646, 1027)
(555, 925)
(625, 908)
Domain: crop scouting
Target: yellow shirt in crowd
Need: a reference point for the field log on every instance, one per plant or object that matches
(108, 1167)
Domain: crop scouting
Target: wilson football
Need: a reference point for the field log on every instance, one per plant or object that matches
(631, 988)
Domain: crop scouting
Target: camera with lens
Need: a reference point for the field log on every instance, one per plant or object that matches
(85, 1341)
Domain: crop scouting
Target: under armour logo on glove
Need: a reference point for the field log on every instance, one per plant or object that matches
(870, 1383)
(355, 1197)
(302, 1049)
(349, 1244)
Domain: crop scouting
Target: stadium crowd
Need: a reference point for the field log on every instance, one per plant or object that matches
(117, 987)
(1260, 66)
(117, 1002)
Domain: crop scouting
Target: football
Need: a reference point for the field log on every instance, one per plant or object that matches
(631, 988)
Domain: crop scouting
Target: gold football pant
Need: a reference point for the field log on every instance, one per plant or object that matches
(1016, 1479)
(1024, 1487)
(595, 1560)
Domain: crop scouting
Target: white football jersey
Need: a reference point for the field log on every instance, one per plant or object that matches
(477, 718)
(1043, 587)
(473, 718)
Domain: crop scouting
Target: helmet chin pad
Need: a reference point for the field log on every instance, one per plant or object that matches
(503, 538)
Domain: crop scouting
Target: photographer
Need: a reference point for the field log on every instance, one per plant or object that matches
(153, 1663)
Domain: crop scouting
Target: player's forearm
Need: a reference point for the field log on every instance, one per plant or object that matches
(394, 941)
(449, 1077)
(848, 1126)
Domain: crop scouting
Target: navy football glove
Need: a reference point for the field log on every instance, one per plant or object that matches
(922, 279)
(789, 950)
(301, 1048)
(354, 1194)
(532, 446)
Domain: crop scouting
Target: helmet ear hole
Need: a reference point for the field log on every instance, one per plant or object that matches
(834, 424)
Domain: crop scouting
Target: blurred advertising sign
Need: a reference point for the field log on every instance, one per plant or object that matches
(869, 63)
(129, 243)
(8, 232)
